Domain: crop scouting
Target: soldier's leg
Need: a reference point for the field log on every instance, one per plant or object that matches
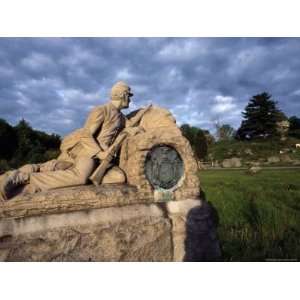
(12, 182)
(30, 168)
(51, 165)
(76, 175)
(114, 175)
(55, 165)
(18, 181)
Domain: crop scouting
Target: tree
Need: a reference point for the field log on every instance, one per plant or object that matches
(21, 144)
(294, 130)
(197, 140)
(225, 132)
(26, 143)
(8, 140)
(210, 139)
(260, 118)
(33, 145)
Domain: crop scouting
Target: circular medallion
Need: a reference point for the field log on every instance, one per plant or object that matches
(163, 167)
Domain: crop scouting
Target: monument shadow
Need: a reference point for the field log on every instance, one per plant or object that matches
(202, 243)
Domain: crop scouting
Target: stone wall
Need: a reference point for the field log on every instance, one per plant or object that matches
(108, 223)
(135, 150)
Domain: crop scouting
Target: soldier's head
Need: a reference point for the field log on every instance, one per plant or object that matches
(120, 95)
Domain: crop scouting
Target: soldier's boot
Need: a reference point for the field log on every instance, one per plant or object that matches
(10, 181)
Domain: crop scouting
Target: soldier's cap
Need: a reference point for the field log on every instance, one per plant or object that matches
(119, 88)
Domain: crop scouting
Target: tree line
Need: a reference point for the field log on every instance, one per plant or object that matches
(21, 144)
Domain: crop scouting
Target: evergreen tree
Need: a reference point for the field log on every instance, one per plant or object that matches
(26, 143)
(294, 129)
(8, 140)
(197, 139)
(260, 118)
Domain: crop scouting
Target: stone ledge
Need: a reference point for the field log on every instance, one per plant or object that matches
(138, 232)
(74, 199)
(182, 207)
(93, 217)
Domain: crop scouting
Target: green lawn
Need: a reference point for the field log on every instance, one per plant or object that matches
(259, 215)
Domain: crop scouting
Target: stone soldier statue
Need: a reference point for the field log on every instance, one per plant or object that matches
(80, 151)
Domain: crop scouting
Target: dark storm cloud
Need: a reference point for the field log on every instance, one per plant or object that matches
(54, 82)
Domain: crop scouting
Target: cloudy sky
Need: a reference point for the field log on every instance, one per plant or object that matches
(54, 82)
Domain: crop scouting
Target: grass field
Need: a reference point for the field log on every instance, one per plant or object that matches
(259, 215)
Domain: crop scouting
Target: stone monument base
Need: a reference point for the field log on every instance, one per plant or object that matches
(106, 223)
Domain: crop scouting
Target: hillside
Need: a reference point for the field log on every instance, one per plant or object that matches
(257, 151)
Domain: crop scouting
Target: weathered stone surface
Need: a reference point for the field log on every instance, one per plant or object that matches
(273, 159)
(158, 117)
(130, 233)
(84, 229)
(134, 153)
(160, 130)
(254, 170)
(255, 163)
(296, 162)
(74, 199)
(203, 166)
(83, 232)
(194, 231)
(178, 213)
(248, 151)
(285, 158)
(233, 162)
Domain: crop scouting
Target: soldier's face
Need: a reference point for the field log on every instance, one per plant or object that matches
(126, 100)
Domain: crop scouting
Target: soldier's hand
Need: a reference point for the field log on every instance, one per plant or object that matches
(133, 130)
(102, 154)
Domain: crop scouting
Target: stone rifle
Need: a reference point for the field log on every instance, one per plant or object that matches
(98, 174)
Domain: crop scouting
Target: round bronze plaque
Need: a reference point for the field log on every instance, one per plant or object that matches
(163, 167)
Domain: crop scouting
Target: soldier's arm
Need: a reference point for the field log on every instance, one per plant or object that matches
(135, 120)
(91, 127)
